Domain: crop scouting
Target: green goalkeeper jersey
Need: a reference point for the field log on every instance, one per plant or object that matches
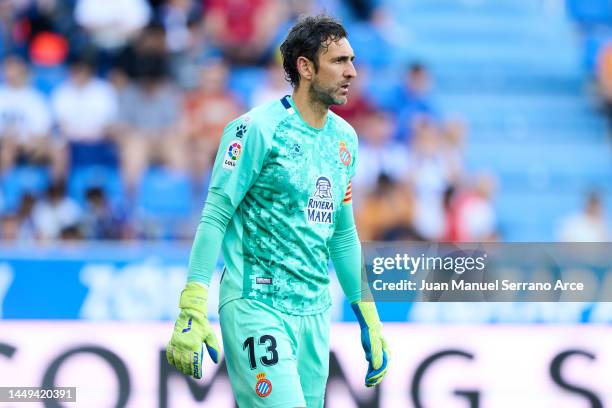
(286, 181)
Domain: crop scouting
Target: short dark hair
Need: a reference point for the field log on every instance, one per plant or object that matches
(306, 39)
(416, 67)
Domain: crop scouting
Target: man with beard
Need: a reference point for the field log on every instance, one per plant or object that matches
(279, 205)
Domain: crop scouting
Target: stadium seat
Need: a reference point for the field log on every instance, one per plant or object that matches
(590, 11)
(21, 180)
(47, 78)
(164, 192)
(107, 178)
(371, 47)
(593, 43)
(101, 153)
(165, 203)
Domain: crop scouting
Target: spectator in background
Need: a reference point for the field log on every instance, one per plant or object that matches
(71, 233)
(378, 154)
(148, 123)
(453, 138)
(185, 66)
(86, 108)
(135, 61)
(273, 87)
(412, 101)
(112, 23)
(20, 225)
(25, 122)
(416, 90)
(243, 30)
(100, 219)
(205, 113)
(387, 212)
(47, 25)
(603, 71)
(55, 213)
(470, 212)
(11, 33)
(430, 175)
(177, 17)
(25, 214)
(603, 74)
(9, 227)
(362, 9)
(588, 225)
(149, 48)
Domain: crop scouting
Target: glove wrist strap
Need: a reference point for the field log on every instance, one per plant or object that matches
(366, 314)
(194, 297)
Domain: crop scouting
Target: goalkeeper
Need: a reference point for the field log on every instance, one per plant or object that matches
(279, 206)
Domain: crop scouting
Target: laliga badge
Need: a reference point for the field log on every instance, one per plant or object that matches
(232, 154)
(263, 388)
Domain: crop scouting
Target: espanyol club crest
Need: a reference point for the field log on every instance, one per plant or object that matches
(320, 207)
(232, 154)
(345, 155)
(263, 387)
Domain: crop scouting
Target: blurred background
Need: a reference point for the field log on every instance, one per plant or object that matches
(479, 120)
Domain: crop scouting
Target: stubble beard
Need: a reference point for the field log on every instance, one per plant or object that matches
(325, 96)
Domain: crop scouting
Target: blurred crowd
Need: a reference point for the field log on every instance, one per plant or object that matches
(593, 19)
(111, 113)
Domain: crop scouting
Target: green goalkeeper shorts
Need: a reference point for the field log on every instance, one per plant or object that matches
(275, 359)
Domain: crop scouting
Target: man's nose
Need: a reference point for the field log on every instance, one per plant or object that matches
(350, 72)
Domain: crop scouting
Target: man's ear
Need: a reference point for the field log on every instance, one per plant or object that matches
(306, 68)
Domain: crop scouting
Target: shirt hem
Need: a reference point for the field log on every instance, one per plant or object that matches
(316, 311)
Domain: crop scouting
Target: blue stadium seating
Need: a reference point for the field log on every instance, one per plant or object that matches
(514, 70)
(21, 180)
(47, 78)
(165, 202)
(590, 11)
(375, 51)
(107, 178)
(165, 193)
(592, 44)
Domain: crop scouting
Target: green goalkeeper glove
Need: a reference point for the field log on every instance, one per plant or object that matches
(185, 349)
(373, 343)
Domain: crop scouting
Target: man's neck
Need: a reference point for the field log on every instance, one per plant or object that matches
(312, 111)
